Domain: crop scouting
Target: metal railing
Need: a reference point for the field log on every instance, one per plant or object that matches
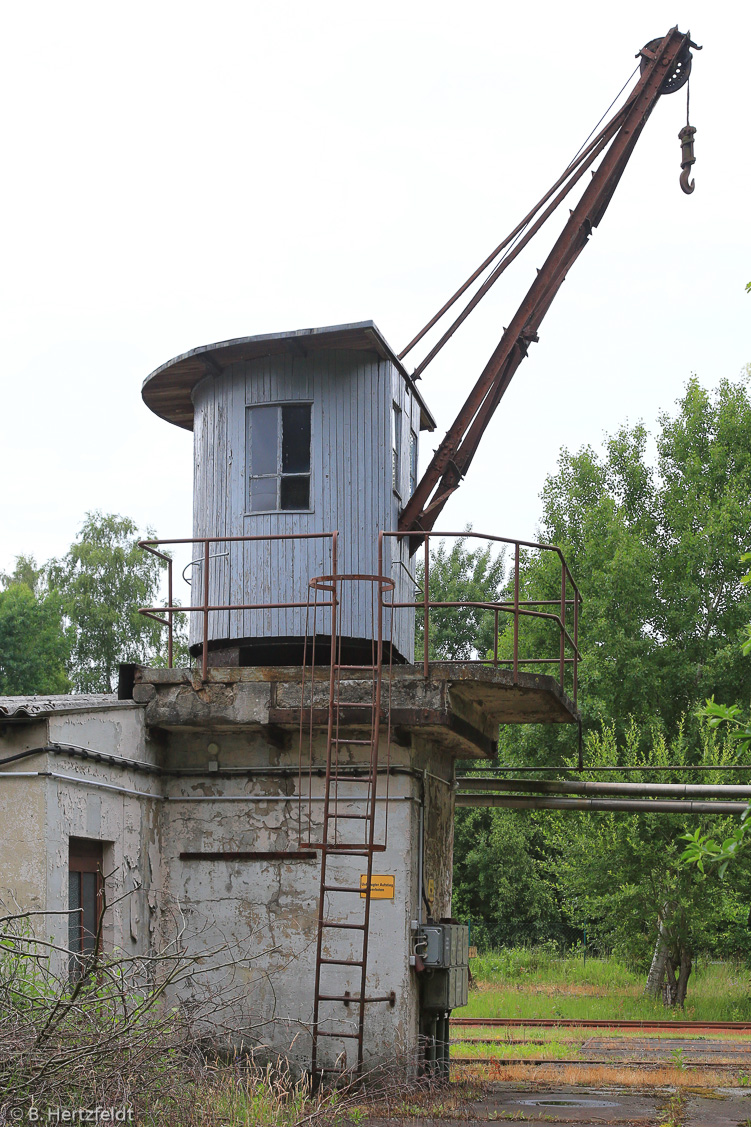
(567, 601)
(568, 642)
(206, 607)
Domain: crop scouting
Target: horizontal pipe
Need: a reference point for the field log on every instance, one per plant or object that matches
(84, 780)
(627, 805)
(654, 790)
(292, 771)
(677, 767)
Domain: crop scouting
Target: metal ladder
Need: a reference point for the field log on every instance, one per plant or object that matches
(348, 831)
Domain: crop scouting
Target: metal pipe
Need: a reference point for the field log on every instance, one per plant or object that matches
(77, 752)
(420, 857)
(627, 805)
(674, 790)
(80, 779)
(628, 770)
(83, 780)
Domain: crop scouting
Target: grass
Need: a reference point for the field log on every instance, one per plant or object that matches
(553, 1049)
(528, 984)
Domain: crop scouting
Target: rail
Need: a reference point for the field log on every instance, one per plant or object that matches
(564, 618)
(568, 642)
(206, 607)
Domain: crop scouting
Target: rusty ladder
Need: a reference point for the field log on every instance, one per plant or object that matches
(348, 831)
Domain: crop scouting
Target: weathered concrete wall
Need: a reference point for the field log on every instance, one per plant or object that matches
(265, 910)
(438, 768)
(23, 844)
(207, 786)
(64, 796)
(118, 729)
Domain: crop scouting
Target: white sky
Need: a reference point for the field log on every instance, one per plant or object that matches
(180, 173)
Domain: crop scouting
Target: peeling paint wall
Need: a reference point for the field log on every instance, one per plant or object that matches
(251, 924)
(266, 910)
(23, 845)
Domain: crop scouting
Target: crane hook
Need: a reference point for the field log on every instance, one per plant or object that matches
(686, 138)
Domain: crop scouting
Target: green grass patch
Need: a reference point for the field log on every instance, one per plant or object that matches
(502, 1050)
(533, 984)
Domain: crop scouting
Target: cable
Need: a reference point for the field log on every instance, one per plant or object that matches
(508, 244)
(607, 111)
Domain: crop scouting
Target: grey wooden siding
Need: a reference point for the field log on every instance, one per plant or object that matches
(352, 395)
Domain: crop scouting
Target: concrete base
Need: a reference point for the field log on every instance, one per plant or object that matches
(206, 816)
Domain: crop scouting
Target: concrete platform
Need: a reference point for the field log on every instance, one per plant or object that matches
(458, 706)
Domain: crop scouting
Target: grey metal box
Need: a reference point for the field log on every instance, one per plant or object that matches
(446, 945)
(446, 988)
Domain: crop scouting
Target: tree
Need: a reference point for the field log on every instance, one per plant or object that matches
(625, 873)
(33, 648)
(655, 550)
(460, 574)
(703, 849)
(101, 582)
(504, 879)
(501, 866)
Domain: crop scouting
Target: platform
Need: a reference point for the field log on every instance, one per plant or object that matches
(459, 705)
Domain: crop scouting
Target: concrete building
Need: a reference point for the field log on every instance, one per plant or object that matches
(291, 797)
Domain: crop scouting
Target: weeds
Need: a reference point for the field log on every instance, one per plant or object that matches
(533, 983)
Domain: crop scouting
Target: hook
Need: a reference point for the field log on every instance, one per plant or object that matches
(686, 138)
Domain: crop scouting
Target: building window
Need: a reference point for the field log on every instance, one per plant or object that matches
(84, 902)
(279, 458)
(412, 462)
(396, 450)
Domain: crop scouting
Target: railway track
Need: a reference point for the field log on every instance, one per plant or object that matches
(565, 1023)
(660, 1044)
(561, 1062)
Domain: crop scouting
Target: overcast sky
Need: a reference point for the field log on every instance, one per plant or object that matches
(181, 173)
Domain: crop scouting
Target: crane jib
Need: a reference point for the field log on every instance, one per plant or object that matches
(665, 65)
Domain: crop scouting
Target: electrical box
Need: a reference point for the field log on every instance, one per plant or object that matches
(445, 988)
(445, 945)
(444, 951)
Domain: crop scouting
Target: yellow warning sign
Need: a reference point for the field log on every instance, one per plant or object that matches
(381, 886)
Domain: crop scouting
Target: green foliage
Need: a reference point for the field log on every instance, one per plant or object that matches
(465, 575)
(621, 872)
(505, 879)
(33, 649)
(703, 849)
(101, 582)
(531, 983)
(655, 550)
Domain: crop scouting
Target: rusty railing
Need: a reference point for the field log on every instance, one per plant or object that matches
(568, 643)
(567, 602)
(205, 608)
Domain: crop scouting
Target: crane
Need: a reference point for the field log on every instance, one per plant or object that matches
(665, 65)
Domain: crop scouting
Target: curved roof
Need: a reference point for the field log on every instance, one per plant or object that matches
(168, 390)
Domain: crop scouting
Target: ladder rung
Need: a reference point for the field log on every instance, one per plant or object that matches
(342, 888)
(353, 704)
(323, 1033)
(342, 962)
(337, 817)
(348, 927)
(359, 743)
(346, 851)
(348, 998)
(363, 667)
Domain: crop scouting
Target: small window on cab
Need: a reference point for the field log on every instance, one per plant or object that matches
(279, 457)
